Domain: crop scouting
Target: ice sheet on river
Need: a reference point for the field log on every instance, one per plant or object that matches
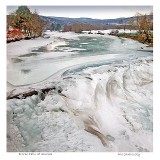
(38, 59)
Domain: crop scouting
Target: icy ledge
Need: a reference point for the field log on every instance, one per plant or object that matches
(107, 108)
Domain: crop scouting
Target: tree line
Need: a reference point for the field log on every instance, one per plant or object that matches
(27, 22)
(32, 25)
(144, 26)
(142, 23)
(79, 27)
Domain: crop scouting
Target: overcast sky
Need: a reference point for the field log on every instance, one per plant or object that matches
(99, 12)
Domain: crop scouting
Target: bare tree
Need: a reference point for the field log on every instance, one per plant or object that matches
(131, 24)
(144, 25)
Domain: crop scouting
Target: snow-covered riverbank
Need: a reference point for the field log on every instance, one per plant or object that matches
(100, 97)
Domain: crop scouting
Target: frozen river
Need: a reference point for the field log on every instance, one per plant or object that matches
(101, 98)
(36, 60)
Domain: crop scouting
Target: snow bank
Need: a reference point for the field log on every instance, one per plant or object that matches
(63, 35)
(109, 30)
(51, 46)
(106, 108)
(26, 46)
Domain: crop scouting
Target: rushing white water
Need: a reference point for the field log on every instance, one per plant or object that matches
(101, 97)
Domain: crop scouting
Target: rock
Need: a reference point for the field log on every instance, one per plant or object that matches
(90, 32)
(99, 32)
(46, 36)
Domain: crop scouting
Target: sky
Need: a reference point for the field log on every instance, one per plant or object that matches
(99, 12)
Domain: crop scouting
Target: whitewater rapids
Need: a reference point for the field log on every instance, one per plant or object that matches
(103, 108)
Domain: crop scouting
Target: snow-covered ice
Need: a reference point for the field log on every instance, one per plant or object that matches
(100, 97)
(109, 30)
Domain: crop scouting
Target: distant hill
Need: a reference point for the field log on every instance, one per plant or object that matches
(66, 20)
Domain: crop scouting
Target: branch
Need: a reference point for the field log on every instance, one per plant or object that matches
(30, 93)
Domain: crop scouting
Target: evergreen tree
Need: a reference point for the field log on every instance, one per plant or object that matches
(52, 27)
